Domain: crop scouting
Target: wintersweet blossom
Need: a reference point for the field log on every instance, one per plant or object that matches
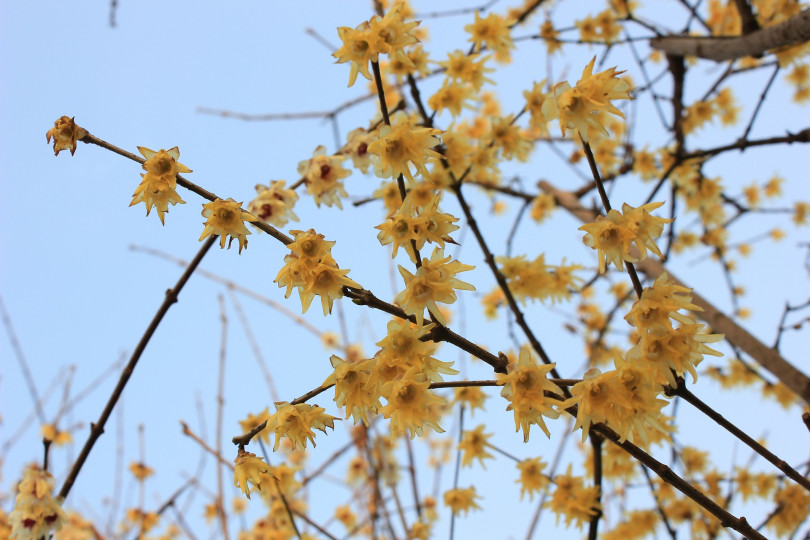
(380, 35)
(322, 175)
(411, 405)
(573, 500)
(274, 203)
(524, 387)
(433, 282)
(36, 513)
(624, 398)
(614, 235)
(226, 218)
(400, 145)
(461, 500)
(532, 479)
(473, 445)
(64, 133)
(311, 269)
(352, 390)
(296, 422)
(159, 184)
(582, 107)
(249, 469)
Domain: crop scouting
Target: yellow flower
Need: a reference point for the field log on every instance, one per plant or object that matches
(794, 504)
(470, 396)
(311, 269)
(356, 148)
(322, 175)
(614, 234)
(36, 513)
(493, 31)
(582, 107)
(141, 471)
(532, 480)
(550, 36)
(461, 500)
(573, 500)
(296, 422)
(274, 204)
(624, 398)
(400, 144)
(524, 386)
(411, 405)
(64, 133)
(254, 420)
(55, 435)
(351, 389)
(474, 445)
(163, 164)
(156, 192)
(249, 469)
(226, 218)
(433, 282)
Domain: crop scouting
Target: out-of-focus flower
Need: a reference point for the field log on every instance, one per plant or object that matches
(36, 513)
(274, 204)
(249, 469)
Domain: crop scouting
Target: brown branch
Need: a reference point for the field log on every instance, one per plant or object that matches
(720, 48)
(97, 428)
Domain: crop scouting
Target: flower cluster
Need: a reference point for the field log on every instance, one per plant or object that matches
(573, 500)
(524, 386)
(400, 145)
(226, 218)
(668, 351)
(461, 500)
(158, 186)
(416, 223)
(296, 422)
(473, 445)
(532, 480)
(274, 203)
(537, 280)
(433, 282)
(249, 469)
(624, 398)
(36, 513)
(322, 175)
(311, 269)
(389, 35)
(614, 235)
(583, 107)
(64, 133)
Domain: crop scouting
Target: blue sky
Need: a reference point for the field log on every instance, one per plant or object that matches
(79, 296)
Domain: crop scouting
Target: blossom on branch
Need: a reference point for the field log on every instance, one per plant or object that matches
(64, 133)
(226, 218)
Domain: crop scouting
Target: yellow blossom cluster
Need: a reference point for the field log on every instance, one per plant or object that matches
(614, 236)
(524, 386)
(274, 203)
(433, 282)
(296, 423)
(583, 107)
(389, 35)
(36, 513)
(461, 500)
(311, 269)
(322, 175)
(415, 223)
(158, 186)
(537, 280)
(573, 500)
